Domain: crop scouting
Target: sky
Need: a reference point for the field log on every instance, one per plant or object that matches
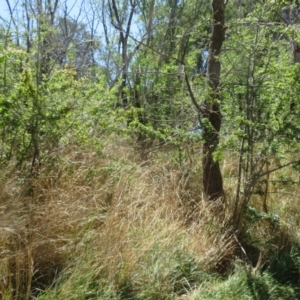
(72, 5)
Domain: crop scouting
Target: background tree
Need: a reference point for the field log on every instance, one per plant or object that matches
(256, 101)
(52, 47)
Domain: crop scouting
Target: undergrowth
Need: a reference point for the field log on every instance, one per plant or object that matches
(108, 224)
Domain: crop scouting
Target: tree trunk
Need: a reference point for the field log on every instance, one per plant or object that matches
(212, 177)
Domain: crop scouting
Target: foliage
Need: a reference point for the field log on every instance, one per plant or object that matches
(101, 143)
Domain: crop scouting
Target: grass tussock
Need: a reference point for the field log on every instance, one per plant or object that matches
(108, 225)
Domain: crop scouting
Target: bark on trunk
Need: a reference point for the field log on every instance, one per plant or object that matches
(212, 177)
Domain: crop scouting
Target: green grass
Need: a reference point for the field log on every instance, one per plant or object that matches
(245, 285)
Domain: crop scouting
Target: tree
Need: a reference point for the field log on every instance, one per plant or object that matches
(73, 46)
(32, 104)
(211, 114)
(259, 103)
(121, 15)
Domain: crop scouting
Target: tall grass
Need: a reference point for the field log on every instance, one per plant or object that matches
(109, 225)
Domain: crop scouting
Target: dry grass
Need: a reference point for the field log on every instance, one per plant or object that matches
(110, 223)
